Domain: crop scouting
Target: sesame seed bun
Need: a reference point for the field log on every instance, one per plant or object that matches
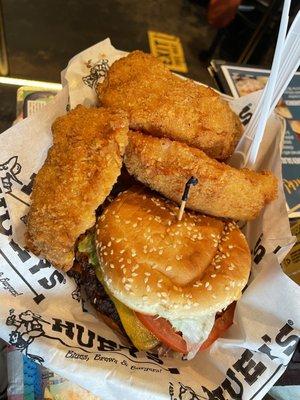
(158, 265)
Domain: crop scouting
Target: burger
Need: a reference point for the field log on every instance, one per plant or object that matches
(167, 284)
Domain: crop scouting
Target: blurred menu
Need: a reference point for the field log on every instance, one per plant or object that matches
(239, 81)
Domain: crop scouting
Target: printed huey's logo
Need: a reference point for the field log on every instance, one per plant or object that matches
(97, 71)
(28, 326)
(246, 371)
(8, 173)
(183, 392)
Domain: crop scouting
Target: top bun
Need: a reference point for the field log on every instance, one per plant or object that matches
(158, 265)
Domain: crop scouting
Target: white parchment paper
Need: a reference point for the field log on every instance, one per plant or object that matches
(42, 311)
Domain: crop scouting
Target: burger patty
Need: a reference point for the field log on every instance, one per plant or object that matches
(95, 291)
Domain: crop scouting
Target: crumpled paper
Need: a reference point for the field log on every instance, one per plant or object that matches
(44, 314)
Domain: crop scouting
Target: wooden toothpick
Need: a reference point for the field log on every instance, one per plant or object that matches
(191, 182)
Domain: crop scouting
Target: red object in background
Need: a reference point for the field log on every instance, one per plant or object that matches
(221, 12)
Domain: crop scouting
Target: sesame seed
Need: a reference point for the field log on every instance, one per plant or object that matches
(111, 252)
(213, 275)
(112, 266)
(148, 288)
(164, 294)
(127, 287)
(158, 294)
(164, 301)
(105, 253)
(179, 257)
(109, 244)
(169, 267)
(135, 267)
(206, 284)
(209, 287)
(227, 288)
(118, 240)
(146, 280)
(134, 225)
(124, 271)
(123, 280)
(121, 259)
(128, 261)
(145, 298)
(147, 273)
(122, 251)
(134, 274)
(160, 252)
(230, 246)
(130, 279)
(217, 266)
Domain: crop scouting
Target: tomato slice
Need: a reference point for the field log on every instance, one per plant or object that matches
(163, 331)
(221, 324)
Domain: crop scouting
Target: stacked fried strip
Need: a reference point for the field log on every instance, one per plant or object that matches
(165, 105)
(81, 167)
(222, 191)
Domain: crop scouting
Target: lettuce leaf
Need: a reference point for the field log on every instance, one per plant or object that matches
(87, 245)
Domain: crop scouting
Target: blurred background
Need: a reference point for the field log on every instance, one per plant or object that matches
(38, 37)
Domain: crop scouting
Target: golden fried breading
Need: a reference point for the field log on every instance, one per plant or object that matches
(165, 105)
(81, 167)
(221, 191)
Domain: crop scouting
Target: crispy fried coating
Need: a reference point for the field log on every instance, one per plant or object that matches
(222, 191)
(165, 105)
(81, 167)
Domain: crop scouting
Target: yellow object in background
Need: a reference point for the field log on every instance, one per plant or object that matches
(291, 263)
(168, 49)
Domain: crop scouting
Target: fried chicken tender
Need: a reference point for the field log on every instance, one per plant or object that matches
(222, 191)
(81, 167)
(165, 105)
